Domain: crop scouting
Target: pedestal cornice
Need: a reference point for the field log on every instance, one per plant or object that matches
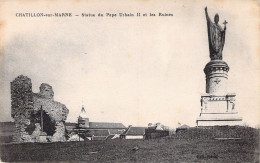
(215, 65)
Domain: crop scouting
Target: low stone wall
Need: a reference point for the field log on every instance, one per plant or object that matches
(27, 108)
(153, 134)
(217, 132)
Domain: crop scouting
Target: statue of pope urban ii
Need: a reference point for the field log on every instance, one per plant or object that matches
(216, 37)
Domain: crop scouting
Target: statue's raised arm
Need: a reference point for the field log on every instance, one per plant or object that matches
(206, 13)
(216, 37)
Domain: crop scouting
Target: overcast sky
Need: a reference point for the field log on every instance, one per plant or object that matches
(133, 70)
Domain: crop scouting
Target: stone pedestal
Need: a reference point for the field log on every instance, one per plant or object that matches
(217, 106)
(218, 111)
(216, 77)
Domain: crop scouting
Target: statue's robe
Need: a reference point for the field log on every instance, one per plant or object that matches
(216, 36)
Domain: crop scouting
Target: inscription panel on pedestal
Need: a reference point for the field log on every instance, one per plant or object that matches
(217, 104)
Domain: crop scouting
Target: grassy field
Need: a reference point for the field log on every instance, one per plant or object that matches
(157, 150)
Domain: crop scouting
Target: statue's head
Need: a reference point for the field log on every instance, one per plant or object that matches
(216, 18)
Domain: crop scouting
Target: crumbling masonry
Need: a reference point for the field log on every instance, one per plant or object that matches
(37, 116)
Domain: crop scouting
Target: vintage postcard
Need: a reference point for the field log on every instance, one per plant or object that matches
(130, 81)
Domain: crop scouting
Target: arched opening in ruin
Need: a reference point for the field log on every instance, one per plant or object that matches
(48, 124)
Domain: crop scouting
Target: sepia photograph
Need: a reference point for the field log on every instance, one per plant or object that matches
(130, 81)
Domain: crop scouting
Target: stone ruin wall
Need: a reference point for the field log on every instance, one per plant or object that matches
(26, 109)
